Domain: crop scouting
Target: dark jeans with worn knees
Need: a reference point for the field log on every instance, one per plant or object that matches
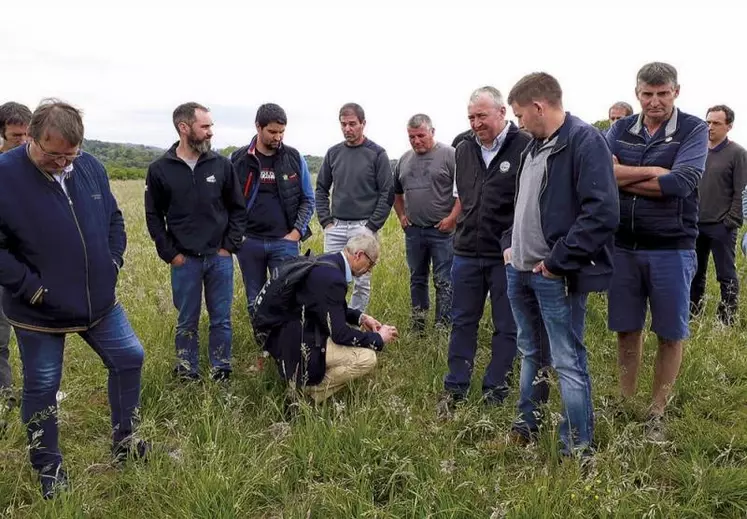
(425, 246)
(115, 342)
(216, 273)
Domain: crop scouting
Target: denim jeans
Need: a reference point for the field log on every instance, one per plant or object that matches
(335, 239)
(424, 246)
(256, 256)
(550, 327)
(216, 272)
(41, 356)
(473, 278)
(6, 381)
(722, 241)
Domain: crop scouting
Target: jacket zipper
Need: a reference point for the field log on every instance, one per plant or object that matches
(632, 221)
(85, 255)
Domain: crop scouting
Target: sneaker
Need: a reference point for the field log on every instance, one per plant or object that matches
(655, 430)
(53, 481)
(130, 448)
(448, 404)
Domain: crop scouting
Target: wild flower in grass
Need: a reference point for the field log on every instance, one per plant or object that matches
(279, 431)
(339, 408)
(499, 512)
(448, 466)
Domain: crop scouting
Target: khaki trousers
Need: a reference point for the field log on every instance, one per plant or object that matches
(344, 363)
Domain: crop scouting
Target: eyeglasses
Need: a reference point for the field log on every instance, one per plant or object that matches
(58, 156)
(372, 262)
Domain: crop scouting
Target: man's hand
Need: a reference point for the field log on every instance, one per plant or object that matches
(224, 253)
(388, 333)
(178, 260)
(328, 226)
(369, 324)
(541, 268)
(615, 160)
(446, 225)
(294, 235)
(404, 222)
(507, 256)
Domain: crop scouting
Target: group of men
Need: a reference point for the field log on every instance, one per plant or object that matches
(536, 216)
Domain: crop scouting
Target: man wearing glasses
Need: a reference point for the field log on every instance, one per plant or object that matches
(321, 352)
(14, 124)
(62, 244)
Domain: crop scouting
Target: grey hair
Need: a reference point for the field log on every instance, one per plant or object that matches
(489, 91)
(418, 120)
(622, 105)
(367, 243)
(657, 73)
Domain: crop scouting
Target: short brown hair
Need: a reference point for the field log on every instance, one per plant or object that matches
(56, 115)
(185, 113)
(12, 113)
(535, 87)
(353, 109)
(728, 112)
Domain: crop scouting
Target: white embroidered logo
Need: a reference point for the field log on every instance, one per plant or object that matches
(505, 166)
(210, 179)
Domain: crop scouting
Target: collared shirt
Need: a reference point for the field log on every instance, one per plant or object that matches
(348, 272)
(488, 154)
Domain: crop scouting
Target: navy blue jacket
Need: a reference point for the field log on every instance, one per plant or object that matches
(59, 254)
(681, 146)
(578, 207)
(325, 315)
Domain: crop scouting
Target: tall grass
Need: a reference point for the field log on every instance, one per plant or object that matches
(378, 450)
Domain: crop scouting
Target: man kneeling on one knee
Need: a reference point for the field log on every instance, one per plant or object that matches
(318, 347)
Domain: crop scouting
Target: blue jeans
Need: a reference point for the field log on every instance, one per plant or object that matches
(424, 245)
(216, 272)
(473, 278)
(41, 356)
(255, 256)
(551, 332)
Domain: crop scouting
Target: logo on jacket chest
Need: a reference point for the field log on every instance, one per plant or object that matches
(505, 166)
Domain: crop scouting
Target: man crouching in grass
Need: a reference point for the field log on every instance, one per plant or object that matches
(316, 347)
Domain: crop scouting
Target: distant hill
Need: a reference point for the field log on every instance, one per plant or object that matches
(126, 161)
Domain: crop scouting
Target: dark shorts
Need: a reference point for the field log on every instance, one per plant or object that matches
(660, 278)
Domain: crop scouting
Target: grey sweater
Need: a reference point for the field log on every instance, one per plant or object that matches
(722, 185)
(362, 178)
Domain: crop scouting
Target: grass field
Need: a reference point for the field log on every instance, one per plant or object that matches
(378, 450)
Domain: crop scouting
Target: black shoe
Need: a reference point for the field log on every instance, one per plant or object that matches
(130, 448)
(494, 397)
(53, 481)
(221, 375)
(448, 404)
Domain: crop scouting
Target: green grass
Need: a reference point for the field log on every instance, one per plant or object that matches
(378, 450)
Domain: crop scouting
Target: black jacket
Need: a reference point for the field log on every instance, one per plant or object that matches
(193, 212)
(486, 194)
(300, 347)
(293, 181)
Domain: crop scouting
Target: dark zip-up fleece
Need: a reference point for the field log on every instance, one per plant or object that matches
(486, 194)
(59, 253)
(194, 212)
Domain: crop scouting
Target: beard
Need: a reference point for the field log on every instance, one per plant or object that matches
(200, 146)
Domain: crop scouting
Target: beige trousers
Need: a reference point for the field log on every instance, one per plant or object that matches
(344, 363)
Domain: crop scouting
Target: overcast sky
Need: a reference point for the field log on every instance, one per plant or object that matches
(128, 65)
